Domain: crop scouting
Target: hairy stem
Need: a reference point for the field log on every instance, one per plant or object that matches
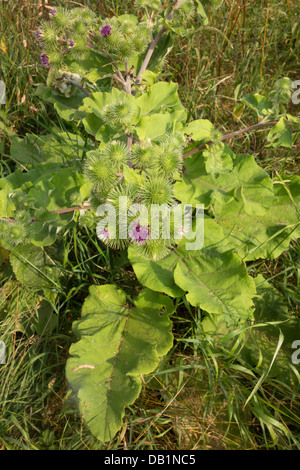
(260, 125)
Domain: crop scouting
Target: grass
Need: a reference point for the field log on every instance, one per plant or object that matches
(195, 400)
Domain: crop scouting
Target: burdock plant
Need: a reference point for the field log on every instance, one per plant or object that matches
(152, 182)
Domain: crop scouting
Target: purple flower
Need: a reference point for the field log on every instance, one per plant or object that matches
(45, 60)
(71, 43)
(38, 35)
(105, 233)
(139, 233)
(102, 233)
(53, 12)
(105, 31)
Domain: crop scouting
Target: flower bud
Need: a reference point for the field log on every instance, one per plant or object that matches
(105, 30)
(61, 18)
(15, 233)
(55, 58)
(144, 155)
(45, 60)
(128, 28)
(49, 33)
(116, 152)
(79, 28)
(122, 112)
(169, 160)
(157, 190)
(125, 49)
(99, 170)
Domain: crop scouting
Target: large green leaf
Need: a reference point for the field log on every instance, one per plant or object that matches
(43, 232)
(55, 191)
(156, 275)
(280, 135)
(96, 101)
(213, 277)
(201, 129)
(55, 147)
(159, 275)
(118, 341)
(67, 107)
(216, 282)
(93, 66)
(161, 111)
(258, 103)
(266, 236)
(17, 179)
(154, 127)
(36, 267)
(92, 123)
(48, 187)
(217, 160)
(161, 97)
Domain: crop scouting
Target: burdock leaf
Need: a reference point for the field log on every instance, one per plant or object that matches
(156, 275)
(161, 97)
(247, 182)
(216, 282)
(35, 267)
(263, 236)
(118, 341)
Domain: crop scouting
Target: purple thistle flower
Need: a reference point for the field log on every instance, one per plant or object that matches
(38, 35)
(139, 233)
(105, 31)
(44, 60)
(53, 12)
(71, 43)
(105, 233)
(102, 233)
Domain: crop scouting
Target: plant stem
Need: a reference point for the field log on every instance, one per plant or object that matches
(127, 87)
(118, 71)
(154, 43)
(260, 125)
(129, 145)
(118, 80)
(264, 41)
(70, 209)
(72, 82)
